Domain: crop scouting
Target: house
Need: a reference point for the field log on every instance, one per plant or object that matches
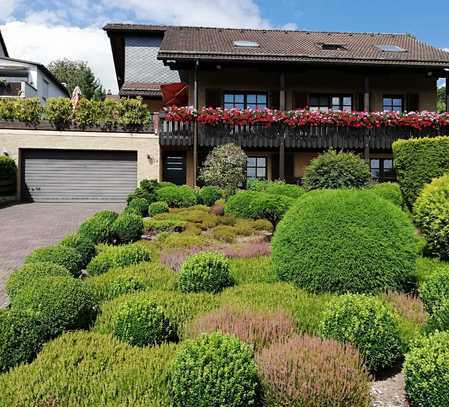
(276, 69)
(20, 78)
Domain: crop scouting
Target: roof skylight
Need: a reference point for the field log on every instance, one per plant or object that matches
(333, 47)
(246, 44)
(390, 48)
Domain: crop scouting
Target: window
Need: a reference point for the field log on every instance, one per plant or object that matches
(245, 44)
(390, 48)
(256, 168)
(324, 103)
(382, 169)
(393, 104)
(245, 100)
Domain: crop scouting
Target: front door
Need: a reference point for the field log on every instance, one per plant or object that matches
(175, 168)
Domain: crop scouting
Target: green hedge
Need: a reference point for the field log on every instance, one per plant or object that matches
(276, 187)
(157, 208)
(65, 256)
(8, 168)
(83, 245)
(177, 196)
(345, 241)
(418, 161)
(389, 191)
(127, 228)
(98, 227)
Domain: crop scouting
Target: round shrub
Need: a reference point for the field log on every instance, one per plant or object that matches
(426, 371)
(435, 290)
(177, 196)
(312, 372)
(142, 323)
(344, 241)
(431, 215)
(334, 170)
(140, 205)
(276, 187)
(158, 207)
(65, 256)
(224, 233)
(118, 256)
(98, 227)
(439, 320)
(22, 335)
(8, 167)
(369, 325)
(61, 303)
(205, 271)
(214, 370)
(127, 228)
(389, 191)
(30, 272)
(209, 195)
(83, 245)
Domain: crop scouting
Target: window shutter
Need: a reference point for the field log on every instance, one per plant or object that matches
(214, 98)
(275, 99)
(413, 102)
(299, 100)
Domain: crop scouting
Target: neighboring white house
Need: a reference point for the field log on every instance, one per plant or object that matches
(19, 78)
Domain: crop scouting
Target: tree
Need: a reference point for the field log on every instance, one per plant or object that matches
(441, 102)
(225, 167)
(77, 73)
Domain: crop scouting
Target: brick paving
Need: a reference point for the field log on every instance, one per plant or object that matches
(26, 227)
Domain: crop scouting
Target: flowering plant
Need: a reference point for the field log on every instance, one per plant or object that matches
(303, 118)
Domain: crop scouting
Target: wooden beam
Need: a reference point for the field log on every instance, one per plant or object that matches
(282, 93)
(282, 155)
(366, 152)
(366, 96)
(195, 126)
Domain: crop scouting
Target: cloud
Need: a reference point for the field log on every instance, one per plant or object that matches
(446, 49)
(40, 42)
(7, 8)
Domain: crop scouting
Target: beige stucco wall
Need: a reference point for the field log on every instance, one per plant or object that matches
(146, 145)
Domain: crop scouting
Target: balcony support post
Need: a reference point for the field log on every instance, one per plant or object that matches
(366, 152)
(195, 124)
(366, 96)
(447, 91)
(282, 155)
(282, 93)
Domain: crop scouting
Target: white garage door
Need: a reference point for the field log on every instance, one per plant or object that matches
(77, 175)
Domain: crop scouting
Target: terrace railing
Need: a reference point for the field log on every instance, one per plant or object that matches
(12, 89)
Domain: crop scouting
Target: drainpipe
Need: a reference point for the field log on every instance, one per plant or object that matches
(195, 126)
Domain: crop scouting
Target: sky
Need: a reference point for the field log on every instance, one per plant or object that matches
(45, 30)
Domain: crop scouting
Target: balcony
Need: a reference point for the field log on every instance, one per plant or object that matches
(12, 89)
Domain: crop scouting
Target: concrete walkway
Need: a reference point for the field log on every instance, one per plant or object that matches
(26, 227)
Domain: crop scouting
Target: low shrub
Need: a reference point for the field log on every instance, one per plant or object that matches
(431, 215)
(22, 335)
(209, 195)
(28, 110)
(129, 279)
(276, 188)
(206, 271)
(88, 113)
(177, 196)
(389, 191)
(58, 111)
(224, 233)
(184, 240)
(7, 109)
(30, 272)
(164, 225)
(345, 241)
(76, 369)
(60, 254)
(426, 371)
(142, 323)
(158, 207)
(127, 228)
(134, 114)
(83, 245)
(333, 170)
(118, 256)
(245, 227)
(61, 303)
(8, 168)
(418, 161)
(367, 324)
(312, 372)
(439, 320)
(263, 224)
(252, 269)
(257, 329)
(435, 290)
(231, 373)
(138, 205)
(98, 227)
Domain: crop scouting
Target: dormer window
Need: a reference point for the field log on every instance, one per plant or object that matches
(390, 48)
(246, 44)
(332, 47)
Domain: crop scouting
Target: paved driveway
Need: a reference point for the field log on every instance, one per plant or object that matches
(25, 227)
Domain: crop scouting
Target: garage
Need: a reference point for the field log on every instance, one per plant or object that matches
(77, 175)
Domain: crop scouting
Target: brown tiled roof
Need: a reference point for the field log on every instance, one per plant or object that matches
(141, 89)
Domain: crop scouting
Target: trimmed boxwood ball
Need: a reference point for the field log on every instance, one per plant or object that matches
(209, 195)
(344, 241)
(30, 272)
(214, 371)
(118, 256)
(84, 246)
(439, 320)
(65, 256)
(158, 207)
(22, 335)
(435, 290)
(426, 371)
(61, 303)
(389, 191)
(98, 227)
(140, 205)
(333, 170)
(127, 228)
(177, 196)
(369, 325)
(431, 215)
(141, 323)
(205, 271)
